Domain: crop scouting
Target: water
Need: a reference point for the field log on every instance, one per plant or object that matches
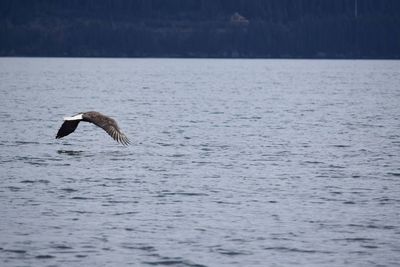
(232, 163)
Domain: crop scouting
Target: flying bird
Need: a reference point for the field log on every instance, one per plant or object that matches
(106, 123)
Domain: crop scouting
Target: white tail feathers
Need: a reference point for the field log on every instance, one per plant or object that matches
(73, 118)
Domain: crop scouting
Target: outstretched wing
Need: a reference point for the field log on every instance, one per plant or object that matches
(67, 127)
(107, 124)
(113, 130)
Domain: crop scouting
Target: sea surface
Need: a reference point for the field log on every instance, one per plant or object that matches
(232, 163)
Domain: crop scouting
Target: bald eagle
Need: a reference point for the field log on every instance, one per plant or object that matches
(106, 123)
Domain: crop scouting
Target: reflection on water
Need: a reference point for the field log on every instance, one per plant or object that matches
(233, 163)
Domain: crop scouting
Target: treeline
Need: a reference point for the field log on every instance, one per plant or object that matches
(201, 28)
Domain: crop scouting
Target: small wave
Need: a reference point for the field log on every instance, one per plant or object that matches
(164, 194)
(355, 239)
(173, 262)
(369, 226)
(14, 188)
(341, 146)
(125, 213)
(143, 247)
(44, 256)
(70, 152)
(69, 190)
(82, 212)
(81, 198)
(164, 144)
(370, 246)
(155, 169)
(37, 161)
(40, 181)
(178, 155)
(17, 251)
(226, 202)
(232, 252)
(121, 201)
(313, 162)
(26, 143)
(32, 160)
(61, 246)
(250, 118)
(287, 249)
(336, 166)
(202, 163)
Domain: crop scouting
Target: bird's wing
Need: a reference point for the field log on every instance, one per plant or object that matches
(66, 128)
(115, 133)
(111, 127)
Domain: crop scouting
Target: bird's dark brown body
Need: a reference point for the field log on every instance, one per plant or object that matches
(106, 123)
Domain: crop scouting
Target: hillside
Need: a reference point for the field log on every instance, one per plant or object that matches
(201, 28)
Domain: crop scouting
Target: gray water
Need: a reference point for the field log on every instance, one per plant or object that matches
(232, 163)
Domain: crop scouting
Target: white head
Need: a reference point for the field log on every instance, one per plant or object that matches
(74, 118)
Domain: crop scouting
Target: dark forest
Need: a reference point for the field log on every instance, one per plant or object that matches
(201, 28)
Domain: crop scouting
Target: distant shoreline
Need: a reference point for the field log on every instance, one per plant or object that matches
(178, 57)
(303, 29)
